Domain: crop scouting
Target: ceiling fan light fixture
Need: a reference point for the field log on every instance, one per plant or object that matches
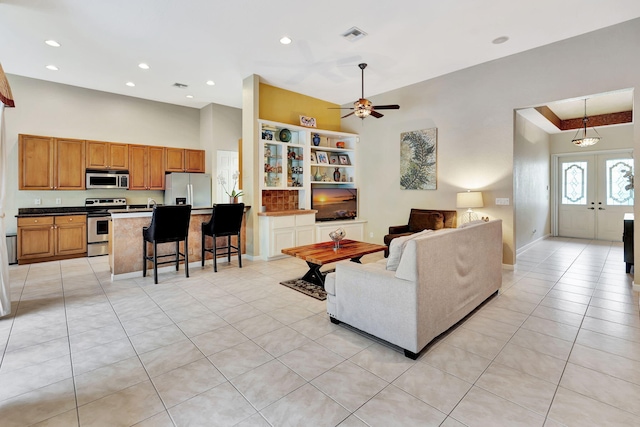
(362, 108)
(585, 141)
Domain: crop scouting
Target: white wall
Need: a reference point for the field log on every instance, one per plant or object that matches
(220, 129)
(531, 180)
(44, 108)
(473, 110)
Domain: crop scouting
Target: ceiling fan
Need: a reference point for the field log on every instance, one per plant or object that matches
(363, 107)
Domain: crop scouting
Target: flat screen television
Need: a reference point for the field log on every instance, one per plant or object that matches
(334, 204)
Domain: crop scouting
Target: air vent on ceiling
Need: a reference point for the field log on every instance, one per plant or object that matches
(181, 85)
(353, 34)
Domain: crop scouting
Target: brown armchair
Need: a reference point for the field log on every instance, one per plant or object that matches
(422, 219)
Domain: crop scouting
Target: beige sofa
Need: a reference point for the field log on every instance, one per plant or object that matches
(440, 278)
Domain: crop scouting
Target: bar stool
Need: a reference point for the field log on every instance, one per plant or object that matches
(168, 224)
(226, 220)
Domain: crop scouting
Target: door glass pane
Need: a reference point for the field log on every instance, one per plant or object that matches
(617, 182)
(574, 183)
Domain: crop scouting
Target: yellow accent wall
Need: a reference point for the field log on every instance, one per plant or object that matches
(284, 106)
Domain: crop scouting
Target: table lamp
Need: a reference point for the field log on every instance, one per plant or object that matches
(469, 199)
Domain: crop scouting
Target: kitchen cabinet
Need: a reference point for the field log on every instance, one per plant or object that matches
(285, 231)
(48, 238)
(185, 160)
(146, 167)
(47, 163)
(107, 155)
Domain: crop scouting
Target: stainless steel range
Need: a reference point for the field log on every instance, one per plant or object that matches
(98, 218)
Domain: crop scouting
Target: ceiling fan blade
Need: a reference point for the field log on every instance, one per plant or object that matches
(376, 114)
(386, 107)
(339, 108)
(348, 115)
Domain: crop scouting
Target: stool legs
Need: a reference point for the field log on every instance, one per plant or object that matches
(239, 251)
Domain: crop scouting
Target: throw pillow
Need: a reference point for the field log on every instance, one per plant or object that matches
(426, 221)
(397, 247)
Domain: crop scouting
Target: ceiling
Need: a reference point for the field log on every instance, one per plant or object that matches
(193, 41)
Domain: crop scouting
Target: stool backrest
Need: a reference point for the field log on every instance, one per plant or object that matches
(226, 219)
(169, 223)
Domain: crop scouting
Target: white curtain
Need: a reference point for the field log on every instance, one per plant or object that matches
(5, 295)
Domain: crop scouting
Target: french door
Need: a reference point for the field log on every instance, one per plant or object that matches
(593, 195)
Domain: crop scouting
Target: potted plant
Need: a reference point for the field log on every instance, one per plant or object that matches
(233, 194)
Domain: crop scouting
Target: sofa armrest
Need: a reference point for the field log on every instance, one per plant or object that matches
(370, 298)
(398, 229)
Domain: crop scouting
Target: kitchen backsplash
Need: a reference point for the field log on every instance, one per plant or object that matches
(279, 200)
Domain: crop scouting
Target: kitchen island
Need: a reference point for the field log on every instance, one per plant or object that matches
(125, 240)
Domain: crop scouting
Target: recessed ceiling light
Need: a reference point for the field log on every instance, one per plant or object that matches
(500, 40)
(52, 68)
(210, 82)
(130, 84)
(143, 66)
(285, 40)
(52, 43)
(189, 96)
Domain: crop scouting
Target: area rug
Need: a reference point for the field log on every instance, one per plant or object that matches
(307, 288)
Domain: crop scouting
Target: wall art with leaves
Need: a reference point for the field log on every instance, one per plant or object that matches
(418, 159)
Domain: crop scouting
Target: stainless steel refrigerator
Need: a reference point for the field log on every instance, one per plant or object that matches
(188, 188)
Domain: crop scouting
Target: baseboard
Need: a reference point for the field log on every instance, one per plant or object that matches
(530, 244)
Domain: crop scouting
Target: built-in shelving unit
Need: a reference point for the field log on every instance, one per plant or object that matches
(298, 158)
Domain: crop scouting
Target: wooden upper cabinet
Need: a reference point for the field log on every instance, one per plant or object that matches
(36, 162)
(107, 155)
(194, 161)
(156, 168)
(175, 159)
(70, 169)
(47, 163)
(185, 160)
(146, 167)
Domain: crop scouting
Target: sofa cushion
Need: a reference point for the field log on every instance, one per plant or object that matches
(397, 245)
(419, 221)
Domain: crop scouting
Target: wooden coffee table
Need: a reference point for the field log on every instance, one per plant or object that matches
(318, 254)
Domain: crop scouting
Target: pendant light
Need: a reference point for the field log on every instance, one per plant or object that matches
(585, 140)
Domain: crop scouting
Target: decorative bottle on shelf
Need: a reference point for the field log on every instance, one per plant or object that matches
(318, 176)
(316, 139)
(336, 175)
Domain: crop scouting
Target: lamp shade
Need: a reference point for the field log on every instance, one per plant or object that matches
(5, 90)
(469, 199)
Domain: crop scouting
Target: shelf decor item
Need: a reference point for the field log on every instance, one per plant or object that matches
(344, 159)
(267, 135)
(322, 157)
(285, 135)
(333, 159)
(340, 144)
(306, 121)
(316, 139)
(336, 175)
(312, 157)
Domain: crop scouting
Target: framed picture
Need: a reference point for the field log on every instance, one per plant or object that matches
(333, 159)
(309, 122)
(312, 157)
(344, 159)
(322, 157)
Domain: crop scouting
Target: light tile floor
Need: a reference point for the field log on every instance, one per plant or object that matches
(559, 346)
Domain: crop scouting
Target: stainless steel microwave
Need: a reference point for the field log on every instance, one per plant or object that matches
(104, 179)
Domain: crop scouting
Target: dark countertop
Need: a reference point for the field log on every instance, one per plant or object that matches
(80, 210)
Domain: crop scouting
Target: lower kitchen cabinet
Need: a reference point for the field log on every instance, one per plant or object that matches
(285, 231)
(49, 238)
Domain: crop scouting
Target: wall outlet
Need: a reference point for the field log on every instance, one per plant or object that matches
(58, 201)
(502, 201)
(38, 201)
(371, 234)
